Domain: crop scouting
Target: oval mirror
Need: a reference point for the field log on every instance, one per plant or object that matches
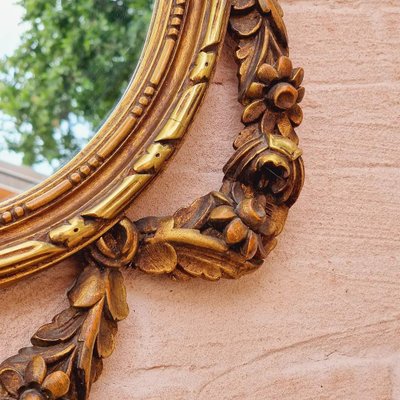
(63, 66)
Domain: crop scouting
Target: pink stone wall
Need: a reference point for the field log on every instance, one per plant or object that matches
(321, 320)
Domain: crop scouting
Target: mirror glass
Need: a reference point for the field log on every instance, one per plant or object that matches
(63, 66)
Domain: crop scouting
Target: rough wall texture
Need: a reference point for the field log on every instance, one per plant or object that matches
(321, 320)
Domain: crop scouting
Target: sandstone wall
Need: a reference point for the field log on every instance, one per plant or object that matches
(321, 320)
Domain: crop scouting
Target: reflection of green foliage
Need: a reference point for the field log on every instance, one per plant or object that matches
(74, 60)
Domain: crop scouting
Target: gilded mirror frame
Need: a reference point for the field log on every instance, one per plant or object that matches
(146, 126)
(225, 234)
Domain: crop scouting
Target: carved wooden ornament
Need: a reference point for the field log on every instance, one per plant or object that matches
(224, 234)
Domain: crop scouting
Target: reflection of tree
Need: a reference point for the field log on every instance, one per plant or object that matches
(73, 62)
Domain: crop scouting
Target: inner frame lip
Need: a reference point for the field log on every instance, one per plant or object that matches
(70, 166)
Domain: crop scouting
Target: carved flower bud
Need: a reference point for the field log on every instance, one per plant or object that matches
(57, 383)
(283, 95)
(31, 395)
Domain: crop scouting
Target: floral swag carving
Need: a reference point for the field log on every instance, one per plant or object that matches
(224, 234)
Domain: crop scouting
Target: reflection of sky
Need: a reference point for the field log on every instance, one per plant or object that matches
(10, 32)
(10, 27)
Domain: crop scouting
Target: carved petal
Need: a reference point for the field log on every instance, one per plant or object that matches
(301, 92)
(57, 383)
(251, 212)
(297, 77)
(253, 111)
(255, 90)
(268, 121)
(295, 114)
(36, 370)
(158, 258)
(284, 67)
(267, 73)
(116, 296)
(264, 6)
(285, 126)
(31, 395)
(89, 288)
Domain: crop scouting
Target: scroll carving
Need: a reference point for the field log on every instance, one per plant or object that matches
(225, 234)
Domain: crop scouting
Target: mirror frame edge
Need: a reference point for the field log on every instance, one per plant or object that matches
(67, 212)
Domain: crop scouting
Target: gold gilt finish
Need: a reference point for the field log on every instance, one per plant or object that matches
(68, 211)
(224, 234)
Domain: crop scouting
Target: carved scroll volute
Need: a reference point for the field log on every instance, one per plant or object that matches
(66, 355)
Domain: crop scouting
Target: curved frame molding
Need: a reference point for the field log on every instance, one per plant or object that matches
(68, 211)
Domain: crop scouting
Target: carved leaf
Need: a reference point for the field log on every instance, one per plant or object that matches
(116, 296)
(157, 258)
(239, 5)
(66, 356)
(61, 329)
(89, 288)
(106, 339)
(212, 265)
(199, 265)
(196, 215)
(246, 26)
(51, 355)
(86, 341)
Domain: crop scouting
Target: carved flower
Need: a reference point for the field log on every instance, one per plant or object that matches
(270, 166)
(35, 384)
(277, 96)
(248, 225)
